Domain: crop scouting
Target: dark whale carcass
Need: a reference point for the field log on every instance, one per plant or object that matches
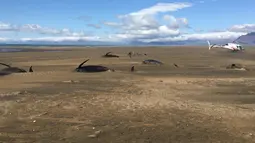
(9, 69)
(91, 68)
(4, 73)
(110, 55)
(176, 65)
(151, 61)
(132, 69)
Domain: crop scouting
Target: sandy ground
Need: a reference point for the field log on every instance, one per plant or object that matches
(199, 102)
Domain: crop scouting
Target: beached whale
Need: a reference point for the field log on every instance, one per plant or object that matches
(9, 69)
(151, 61)
(91, 68)
(110, 55)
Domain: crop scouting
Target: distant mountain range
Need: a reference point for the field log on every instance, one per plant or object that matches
(65, 43)
(186, 42)
(248, 39)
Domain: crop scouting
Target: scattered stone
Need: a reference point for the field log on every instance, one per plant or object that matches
(43, 113)
(249, 135)
(92, 136)
(131, 54)
(71, 81)
(95, 135)
(98, 132)
(236, 67)
(13, 93)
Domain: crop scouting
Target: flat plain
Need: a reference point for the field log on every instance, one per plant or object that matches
(199, 101)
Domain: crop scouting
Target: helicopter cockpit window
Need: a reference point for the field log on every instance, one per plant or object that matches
(240, 47)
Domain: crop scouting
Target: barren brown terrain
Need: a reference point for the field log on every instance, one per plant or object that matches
(199, 102)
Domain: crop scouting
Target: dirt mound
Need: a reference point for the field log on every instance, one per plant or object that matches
(236, 66)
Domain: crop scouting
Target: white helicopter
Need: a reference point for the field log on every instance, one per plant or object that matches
(231, 46)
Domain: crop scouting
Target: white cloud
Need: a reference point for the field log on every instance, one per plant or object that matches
(112, 24)
(214, 36)
(162, 7)
(175, 23)
(198, 36)
(145, 26)
(134, 22)
(7, 27)
(243, 28)
(69, 39)
(161, 31)
(145, 23)
(3, 39)
(60, 39)
(38, 29)
(94, 26)
(146, 18)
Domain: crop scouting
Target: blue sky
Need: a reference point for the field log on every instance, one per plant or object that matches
(89, 18)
